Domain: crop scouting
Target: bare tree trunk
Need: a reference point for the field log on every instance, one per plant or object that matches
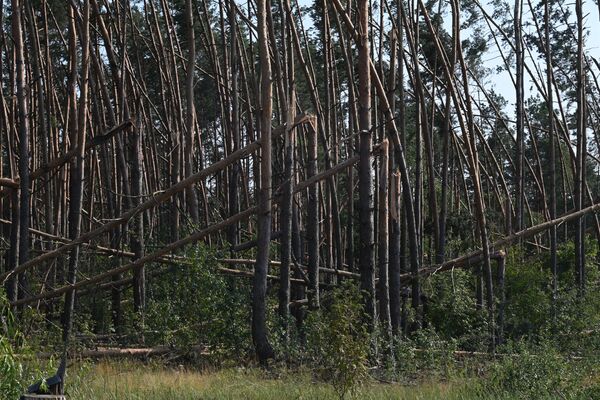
(264, 350)
(78, 132)
(383, 245)
(383, 248)
(289, 175)
(581, 154)
(395, 220)
(366, 246)
(12, 257)
(137, 233)
(474, 170)
(551, 136)
(501, 275)
(312, 221)
(446, 151)
(519, 53)
(23, 121)
(234, 174)
(190, 116)
(298, 291)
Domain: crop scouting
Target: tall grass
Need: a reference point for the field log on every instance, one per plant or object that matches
(126, 381)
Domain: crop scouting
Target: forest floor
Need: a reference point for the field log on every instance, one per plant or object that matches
(129, 381)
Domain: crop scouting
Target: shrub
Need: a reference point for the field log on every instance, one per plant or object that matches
(533, 373)
(338, 340)
(199, 305)
(14, 349)
(452, 312)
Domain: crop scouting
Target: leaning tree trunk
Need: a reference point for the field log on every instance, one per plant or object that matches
(234, 171)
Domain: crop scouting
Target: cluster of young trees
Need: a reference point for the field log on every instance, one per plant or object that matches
(333, 140)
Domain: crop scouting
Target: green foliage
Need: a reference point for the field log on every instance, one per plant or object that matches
(11, 370)
(528, 300)
(452, 312)
(426, 356)
(197, 305)
(540, 372)
(15, 373)
(338, 339)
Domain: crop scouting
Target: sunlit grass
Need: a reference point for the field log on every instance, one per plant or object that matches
(129, 381)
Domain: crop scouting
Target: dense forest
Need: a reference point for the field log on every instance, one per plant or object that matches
(364, 189)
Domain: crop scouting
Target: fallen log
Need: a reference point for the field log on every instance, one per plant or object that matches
(253, 243)
(157, 198)
(7, 182)
(157, 255)
(102, 352)
(475, 257)
(141, 261)
(244, 261)
(62, 160)
(170, 259)
(464, 261)
(250, 274)
(96, 140)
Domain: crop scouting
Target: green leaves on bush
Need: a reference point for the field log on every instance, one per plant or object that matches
(11, 370)
(338, 340)
(197, 305)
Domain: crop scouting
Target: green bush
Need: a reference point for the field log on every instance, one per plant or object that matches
(452, 313)
(539, 372)
(197, 305)
(18, 366)
(11, 370)
(528, 300)
(338, 340)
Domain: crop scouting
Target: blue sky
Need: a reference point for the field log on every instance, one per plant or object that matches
(501, 82)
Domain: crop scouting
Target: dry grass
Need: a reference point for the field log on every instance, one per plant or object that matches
(129, 381)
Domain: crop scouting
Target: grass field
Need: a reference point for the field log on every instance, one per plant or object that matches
(126, 381)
